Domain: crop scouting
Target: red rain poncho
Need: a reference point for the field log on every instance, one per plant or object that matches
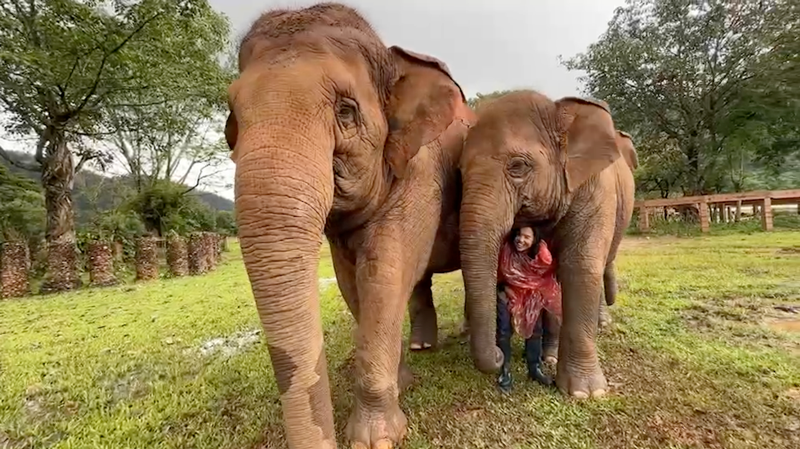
(531, 286)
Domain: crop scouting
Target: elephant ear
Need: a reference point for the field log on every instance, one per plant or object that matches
(424, 101)
(588, 138)
(625, 145)
(231, 134)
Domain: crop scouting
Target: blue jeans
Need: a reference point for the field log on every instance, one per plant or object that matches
(533, 345)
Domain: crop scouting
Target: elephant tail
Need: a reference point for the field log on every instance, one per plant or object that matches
(610, 284)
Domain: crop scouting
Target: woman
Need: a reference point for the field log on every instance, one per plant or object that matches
(526, 286)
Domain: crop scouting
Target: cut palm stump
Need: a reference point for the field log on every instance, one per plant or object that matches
(146, 258)
(14, 261)
(101, 264)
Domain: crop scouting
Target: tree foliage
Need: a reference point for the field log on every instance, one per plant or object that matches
(67, 64)
(21, 207)
(708, 88)
(164, 206)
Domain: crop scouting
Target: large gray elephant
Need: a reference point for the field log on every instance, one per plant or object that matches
(334, 133)
(561, 167)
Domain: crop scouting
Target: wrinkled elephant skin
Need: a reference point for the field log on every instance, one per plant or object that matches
(334, 133)
(561, 167)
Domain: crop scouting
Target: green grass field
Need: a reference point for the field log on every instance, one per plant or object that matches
(698, 356)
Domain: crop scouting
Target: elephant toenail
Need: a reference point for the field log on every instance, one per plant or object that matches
(415, 346)
(426, 345)
(384, 444)
(580, 395)
(598, 393)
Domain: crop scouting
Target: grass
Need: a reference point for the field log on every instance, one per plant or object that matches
(695, 358)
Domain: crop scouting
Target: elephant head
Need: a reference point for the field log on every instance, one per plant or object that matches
(522, 163)
(323, 118)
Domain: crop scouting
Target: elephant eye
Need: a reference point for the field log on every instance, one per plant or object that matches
(517, 167)
(347, 112)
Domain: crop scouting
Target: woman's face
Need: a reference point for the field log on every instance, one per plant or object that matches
(524, 239)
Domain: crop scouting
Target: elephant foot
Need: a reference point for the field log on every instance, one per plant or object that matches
(581, 384)
(550, 351)
(377, 429)
(424, 332)
(405, 378)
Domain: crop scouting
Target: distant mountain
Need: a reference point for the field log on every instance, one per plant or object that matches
(95, 188)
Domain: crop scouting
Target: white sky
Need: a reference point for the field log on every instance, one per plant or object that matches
(488, 44)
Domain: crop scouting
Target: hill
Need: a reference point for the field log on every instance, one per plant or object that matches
(92, 188)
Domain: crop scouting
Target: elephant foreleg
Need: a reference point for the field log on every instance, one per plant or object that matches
(422, 314)
(581, 271)
(550, 330)
(383, 288)
(346, 279)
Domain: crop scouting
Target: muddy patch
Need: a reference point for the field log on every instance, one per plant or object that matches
(230, 345)
(790, 250)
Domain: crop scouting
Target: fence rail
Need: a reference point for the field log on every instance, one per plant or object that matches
(722, 205)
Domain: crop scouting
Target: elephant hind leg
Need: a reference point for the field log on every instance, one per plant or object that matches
(608, 297)
(610, 284)
(422, 314)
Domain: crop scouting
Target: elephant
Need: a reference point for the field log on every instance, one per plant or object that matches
(563, 168)
(335, 134)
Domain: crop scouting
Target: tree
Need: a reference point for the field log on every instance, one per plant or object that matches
(180, 141)
(164, 206)
(688, 75)
(67, 63)
(22, 212)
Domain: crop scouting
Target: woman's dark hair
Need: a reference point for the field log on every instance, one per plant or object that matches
(534, 249)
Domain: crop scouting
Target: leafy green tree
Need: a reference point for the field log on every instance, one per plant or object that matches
(22, 212)
(226, 223)
(688, 75)
(67, 63)
(164, 206)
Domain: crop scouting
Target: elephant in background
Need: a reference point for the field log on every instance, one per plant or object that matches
(334, 133)
(563, 168)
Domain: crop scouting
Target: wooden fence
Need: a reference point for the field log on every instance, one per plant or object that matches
(726, 206)
(199, 255)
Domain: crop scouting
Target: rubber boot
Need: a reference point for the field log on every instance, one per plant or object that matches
(533, 356)
(504, 333)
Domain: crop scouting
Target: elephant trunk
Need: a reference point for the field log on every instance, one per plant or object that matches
(284, 192)
(483, 225)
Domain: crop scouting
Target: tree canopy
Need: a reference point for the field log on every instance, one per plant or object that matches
(708, 88)
(74, 69)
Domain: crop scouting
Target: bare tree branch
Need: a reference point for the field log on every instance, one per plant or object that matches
(114, 50)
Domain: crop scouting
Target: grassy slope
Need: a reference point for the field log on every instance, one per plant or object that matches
(690, 360)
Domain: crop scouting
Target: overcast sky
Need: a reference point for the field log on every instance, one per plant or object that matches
(488, 44)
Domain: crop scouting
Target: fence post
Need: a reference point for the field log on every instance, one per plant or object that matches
(703, 206)
(766, 213)
(15, 262)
